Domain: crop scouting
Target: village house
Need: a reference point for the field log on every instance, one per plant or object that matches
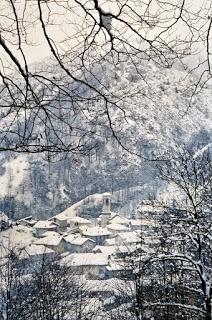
(107, 250)
(68, 219)
(114, 250)
(61, 221)
(135, 224)
(35, 253)
(110, 241)
(116, 228)
(118, 219)
(98, 234)
(76, 222)
(52, 240)
(77, 243)
(116, 269)
(91, 265)
(42, 226)
(126, 238)
(27, 221)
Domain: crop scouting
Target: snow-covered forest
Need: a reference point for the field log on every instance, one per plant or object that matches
(105, 159)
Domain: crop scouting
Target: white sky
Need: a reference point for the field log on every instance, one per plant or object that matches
(67, 24)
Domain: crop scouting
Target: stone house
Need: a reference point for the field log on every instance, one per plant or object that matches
(78, 244)
(42, 226)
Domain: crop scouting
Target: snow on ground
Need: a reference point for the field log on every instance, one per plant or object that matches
(74, 210)
(13, 168)
(16, 237)
(16, 170)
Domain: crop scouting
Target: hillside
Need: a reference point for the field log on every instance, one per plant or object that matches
(157, 118)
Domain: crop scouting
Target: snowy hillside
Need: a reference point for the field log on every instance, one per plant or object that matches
(157, 117)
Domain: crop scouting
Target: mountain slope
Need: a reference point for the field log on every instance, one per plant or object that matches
(156, 117)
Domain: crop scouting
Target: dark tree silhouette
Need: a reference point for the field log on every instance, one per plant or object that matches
(60, 105)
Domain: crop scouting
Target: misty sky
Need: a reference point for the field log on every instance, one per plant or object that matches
(63, 24)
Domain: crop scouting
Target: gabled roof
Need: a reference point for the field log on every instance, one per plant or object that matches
(76, 239)
(107, 250)
(51, 234)
(85, 259)
(130, 237)
(44, 224)
(118, 219)
(33, 250)
(52, 239)
(29, 221)
(95, 231)
(115, 249)
(110, 242)
(117, 227)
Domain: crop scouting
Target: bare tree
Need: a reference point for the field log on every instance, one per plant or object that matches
(41, 288)
(56, 293)
(61, 105)
(188, 227)
(172, 279)
(13, 284)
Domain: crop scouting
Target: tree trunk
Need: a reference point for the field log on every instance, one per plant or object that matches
(208, 309)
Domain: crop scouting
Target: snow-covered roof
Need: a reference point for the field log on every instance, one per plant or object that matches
(107, 250)
(110, 242)
(117, 227)
(85, 259)
(142, 222)
(76, 239)
(44, 224)
(110, 250)
(60, 217)
(130, 237)
(95, 231)
(33, 250)
(80, 220)
(116, 218)
(29, 221)
(51, 234)
(28, 218)
(52, 239)
(67, 213)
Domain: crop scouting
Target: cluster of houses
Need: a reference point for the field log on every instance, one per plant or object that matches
(91, 247)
